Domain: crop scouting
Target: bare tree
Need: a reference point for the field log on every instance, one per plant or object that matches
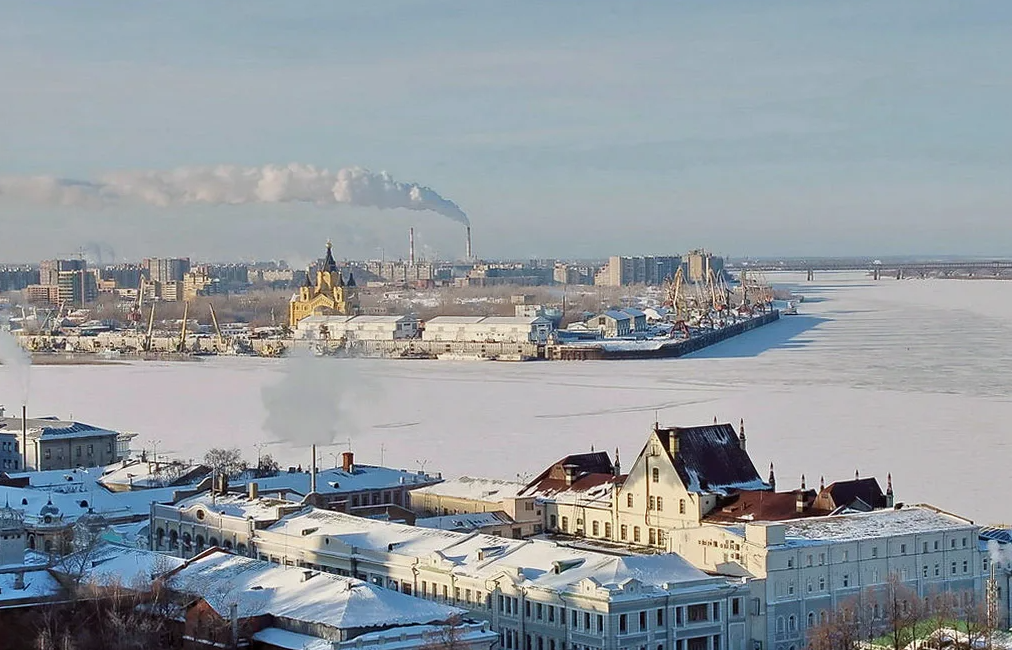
(840, 630)
(448, 637)
(902, 612)
(227, 462)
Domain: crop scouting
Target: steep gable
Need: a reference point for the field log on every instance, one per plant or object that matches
(709, 458)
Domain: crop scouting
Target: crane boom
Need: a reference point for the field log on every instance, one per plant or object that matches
(151, 327)
(217, 330)
(182, 330)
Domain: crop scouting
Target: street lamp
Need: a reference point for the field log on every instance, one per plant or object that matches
(154, 453)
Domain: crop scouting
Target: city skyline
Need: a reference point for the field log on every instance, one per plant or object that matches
(567, 130)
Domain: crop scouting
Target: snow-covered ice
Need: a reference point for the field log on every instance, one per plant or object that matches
(908, 377)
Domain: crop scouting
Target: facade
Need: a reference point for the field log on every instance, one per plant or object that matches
(76, 287)
(639, 318)
(534, 593)
(699, 263)
(488, 329)
(166, 269)
(622, 271)
(612, 323)
(361, 328)
(802, 570)
(17, 278)
(331, 295)
(57, 444)
(445, 506)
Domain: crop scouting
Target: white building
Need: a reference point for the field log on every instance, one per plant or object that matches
(488, 329)
(803, 570)
(448, 505)
(612, 323)
(356, 328)
(536, 594)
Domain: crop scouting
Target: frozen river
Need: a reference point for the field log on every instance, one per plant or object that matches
(908, 377)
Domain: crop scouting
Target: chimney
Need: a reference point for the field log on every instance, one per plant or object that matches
(802, 482)
(411, 246)
(570, 472)
(348, 461)
(468, 242)
(254, 491)
(889, 490)
(24, 438)
(741, 434)
(822, 483)
(673, 441)
(618, 464)
(857, 475)
(773, 479)
(799, 501)
(312, 473)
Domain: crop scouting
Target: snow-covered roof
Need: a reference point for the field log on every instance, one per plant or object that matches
(319, 319)
(51, 427)
(632, 311)
(38, 585)
(148, 474)
(513, 320)
(467, 521)
(616, 315)
(475, 489)
(454, 320)
(260, 588)
(237, 505)
(336, 481)
(110, 565)
(74, 498)
(911, 520)
(537, 562)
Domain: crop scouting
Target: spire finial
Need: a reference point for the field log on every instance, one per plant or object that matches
(822, 483)
(889, 483)
(802, 481)
(330, 244)
(857, 475)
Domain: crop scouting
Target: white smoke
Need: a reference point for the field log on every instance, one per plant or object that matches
(17, 363)
(233, 185)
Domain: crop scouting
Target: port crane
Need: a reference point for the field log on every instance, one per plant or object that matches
(181, 346)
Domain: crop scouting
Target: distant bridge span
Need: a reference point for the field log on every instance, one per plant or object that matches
(899, 270)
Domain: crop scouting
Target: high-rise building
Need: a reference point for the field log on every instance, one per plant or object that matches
(126, 276)
(49, 270)
(621, 271)
(166, 269)
(76, 287)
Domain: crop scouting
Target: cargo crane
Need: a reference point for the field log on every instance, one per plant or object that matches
(146, 345)
(181, 346)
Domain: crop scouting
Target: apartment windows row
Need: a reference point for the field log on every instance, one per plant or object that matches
(844, 554)
(10, 445)
(11, 464)
(626, 533)
(654, 503)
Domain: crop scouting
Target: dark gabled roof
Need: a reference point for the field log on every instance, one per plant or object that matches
(710, 458)
(328, 262)
(554, 478)
(308, 282)
(842, 494)
(351, 279)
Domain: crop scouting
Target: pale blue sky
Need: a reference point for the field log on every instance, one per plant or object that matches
(564, 128)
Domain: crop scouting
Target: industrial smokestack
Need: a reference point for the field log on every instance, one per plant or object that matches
(312, 477)
(469, 242)
(24, 437)
(411, 246)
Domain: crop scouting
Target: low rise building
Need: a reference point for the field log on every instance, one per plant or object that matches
(58, 444)
(534, 593)
(357, 328)
(488, 329)
(445, 506)
(612, 323)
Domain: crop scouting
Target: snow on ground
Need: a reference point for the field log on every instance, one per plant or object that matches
(907, 377)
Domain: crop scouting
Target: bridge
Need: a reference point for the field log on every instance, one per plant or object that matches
(998, 269)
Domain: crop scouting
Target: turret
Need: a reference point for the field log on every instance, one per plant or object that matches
(773, 479)
(889, 491)
(618, 464)
(741, 434)
(351, 279)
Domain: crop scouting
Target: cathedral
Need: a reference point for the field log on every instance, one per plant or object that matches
(331, 295)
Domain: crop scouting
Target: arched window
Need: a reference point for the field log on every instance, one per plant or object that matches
(228, 545)
(241, 549)
(655, 474)
(48, 546)
(200, 542)
(31, 542)
(160, 537)
(213, 541)
(187, 541)
(792, 623)
(173, 540)
(811, 619)
(780, 624)
(822, 583)
(823, 617)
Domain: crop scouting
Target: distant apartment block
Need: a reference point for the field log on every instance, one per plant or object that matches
(166, 269)
(17, 278)
(621, 271)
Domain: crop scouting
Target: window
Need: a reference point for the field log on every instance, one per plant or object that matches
(952, 543)
(846, 579)
(79, 455)
(655, 475)
(623, 624)
(553, 522)
(697, 613)
(716, 611)
(808, 585)
(643, 621)
(91, 450)
(653, 538)
(790, 563)
(595, 527)
(736, 607)
(551, 614)
(953, 571)
(653, 503)
(565, 524)
(660, 504)
(811, 619)
(822, 558)
(678, 616)
(846, 555)
(965, 566)
(874, 551)
(790, 588)
(936, 544)
(623, 531)
(629, 500)
(600, 623)
(924, 573)
(539, 611)
(681, 506)
(925, 548)
(964, 542)
(660, 618)
(49, 454)
(575, 619)
(822, 583)
(716, 642)
(636, 533)
(808, 561)
(792, 624)
(903, 549)
(780, 625)
(938, 570)
(985, 565)
(607, 529)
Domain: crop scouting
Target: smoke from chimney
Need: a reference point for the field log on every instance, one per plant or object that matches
(233, 185)
(469, 242)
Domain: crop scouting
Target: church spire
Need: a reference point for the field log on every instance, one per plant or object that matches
(351, 279)
(309, 274)
(328, 262)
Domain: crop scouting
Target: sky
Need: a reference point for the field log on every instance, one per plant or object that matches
(575, 128)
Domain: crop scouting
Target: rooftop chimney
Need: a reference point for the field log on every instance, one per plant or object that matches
(312, 473)
(348, 462)
(24, 438)
(469, 242)
(411, 246)
(799, 501)
(570, 472)
(618, 464)
(254, 491)
(673, 441)
(889, 491)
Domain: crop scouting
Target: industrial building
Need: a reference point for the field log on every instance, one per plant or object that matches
(357, 328)
(49, 443)
(488, 329)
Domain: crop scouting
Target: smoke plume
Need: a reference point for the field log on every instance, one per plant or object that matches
(17, 363)
(310, 403)
(233, 185)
